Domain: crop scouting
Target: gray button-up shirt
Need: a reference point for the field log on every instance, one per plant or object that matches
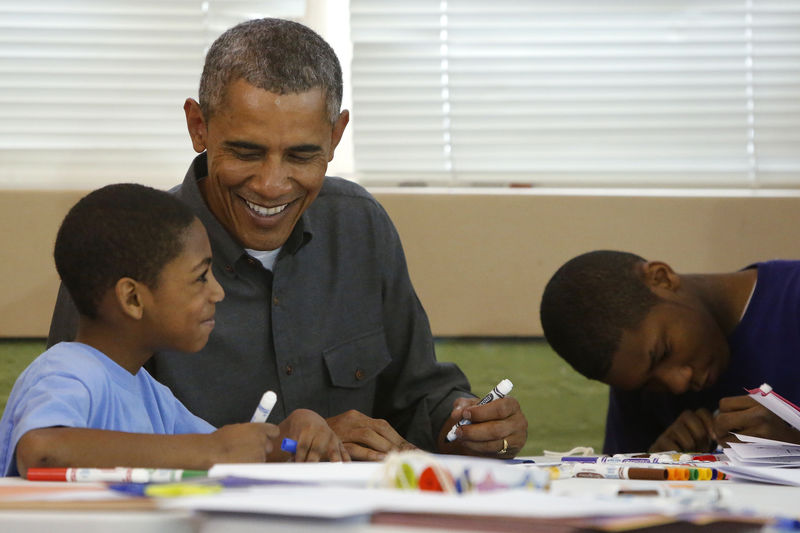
(336, 325)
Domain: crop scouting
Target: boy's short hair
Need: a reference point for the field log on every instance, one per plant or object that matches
(587, 304)
(117, 231)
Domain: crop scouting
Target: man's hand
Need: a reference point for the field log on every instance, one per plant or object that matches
(742, 414)
(365, 438)
(692, 431)
(496, 425)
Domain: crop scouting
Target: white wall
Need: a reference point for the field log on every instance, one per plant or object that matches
(116, 114)
(331, 19)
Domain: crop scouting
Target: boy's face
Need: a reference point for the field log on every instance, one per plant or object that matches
(179, 312)
(678, 347)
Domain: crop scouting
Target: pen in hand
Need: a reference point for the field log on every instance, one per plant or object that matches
(500, 391)
(264, 407)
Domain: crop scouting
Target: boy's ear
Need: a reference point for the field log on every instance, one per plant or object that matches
(129, 297)
(658, 274)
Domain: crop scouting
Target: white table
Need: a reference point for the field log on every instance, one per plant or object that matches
(770, 500)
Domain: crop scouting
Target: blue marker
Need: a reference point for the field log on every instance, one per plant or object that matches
(289, 445)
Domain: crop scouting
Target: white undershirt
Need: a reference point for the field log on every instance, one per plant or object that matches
(265, 257)
(747, 304)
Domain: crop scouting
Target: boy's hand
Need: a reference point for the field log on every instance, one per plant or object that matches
(742, 414)
(692, 431)
(365, 438)
(316, 441)
(494, 426)
(243, 443)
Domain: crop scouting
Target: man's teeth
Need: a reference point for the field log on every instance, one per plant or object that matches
(265, 211)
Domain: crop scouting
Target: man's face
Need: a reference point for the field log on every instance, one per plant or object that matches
(267, 157)
(678, 347)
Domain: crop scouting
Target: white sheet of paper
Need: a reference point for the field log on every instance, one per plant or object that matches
(355, 474)
(337, 502)
(762, 440)
(750, 450)
(763, 474)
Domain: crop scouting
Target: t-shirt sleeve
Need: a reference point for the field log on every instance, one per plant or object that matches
(176, 417)
(54, 400)
(186, 422)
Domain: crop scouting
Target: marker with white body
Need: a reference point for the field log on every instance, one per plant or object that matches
(264, 407)
(500, 391)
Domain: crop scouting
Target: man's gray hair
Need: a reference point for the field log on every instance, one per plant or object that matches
(280, 56)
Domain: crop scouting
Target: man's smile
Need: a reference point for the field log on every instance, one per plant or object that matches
(265, 211)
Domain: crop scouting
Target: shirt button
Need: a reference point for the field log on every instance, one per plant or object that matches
(251, 261)
(289, 370)
(275, 300)
(228, 268)
(359, 374)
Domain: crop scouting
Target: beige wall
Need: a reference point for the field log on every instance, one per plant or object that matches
(479, 261)
(28, 279)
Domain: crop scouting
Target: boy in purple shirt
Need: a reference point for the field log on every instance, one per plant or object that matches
(678, 350)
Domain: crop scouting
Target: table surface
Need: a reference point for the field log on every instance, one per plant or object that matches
(67, 516)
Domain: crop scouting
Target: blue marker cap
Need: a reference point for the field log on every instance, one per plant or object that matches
(786, 524)
(133, 489)
(289, 445)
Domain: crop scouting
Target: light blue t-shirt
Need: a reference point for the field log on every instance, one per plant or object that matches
(74, 385)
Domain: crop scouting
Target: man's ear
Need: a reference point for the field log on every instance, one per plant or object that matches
(658, 274)
(196, 124)
(129, 297)
(338, 131)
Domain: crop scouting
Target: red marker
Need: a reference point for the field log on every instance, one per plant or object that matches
(112, 475)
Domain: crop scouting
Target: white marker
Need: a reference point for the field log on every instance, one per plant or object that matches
(264, 407)
(500, 391)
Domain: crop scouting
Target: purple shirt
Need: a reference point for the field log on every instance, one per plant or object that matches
(764, 349)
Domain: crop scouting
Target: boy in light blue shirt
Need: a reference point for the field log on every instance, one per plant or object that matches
(136, 261)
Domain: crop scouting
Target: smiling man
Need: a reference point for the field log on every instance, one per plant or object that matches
(319, 306)
(677, 348)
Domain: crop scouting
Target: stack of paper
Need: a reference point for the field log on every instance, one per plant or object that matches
(763, 474)
(756, 451)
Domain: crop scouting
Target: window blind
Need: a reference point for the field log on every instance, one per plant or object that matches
(577, 92)
(92, 91)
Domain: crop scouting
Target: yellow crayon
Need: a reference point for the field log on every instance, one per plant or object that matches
(172, 490)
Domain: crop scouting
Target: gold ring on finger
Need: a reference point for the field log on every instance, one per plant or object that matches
(505, 447)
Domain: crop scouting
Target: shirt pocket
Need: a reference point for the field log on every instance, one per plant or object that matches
(353, 367)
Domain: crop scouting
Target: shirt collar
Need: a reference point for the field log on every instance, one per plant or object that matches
(224, 244)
